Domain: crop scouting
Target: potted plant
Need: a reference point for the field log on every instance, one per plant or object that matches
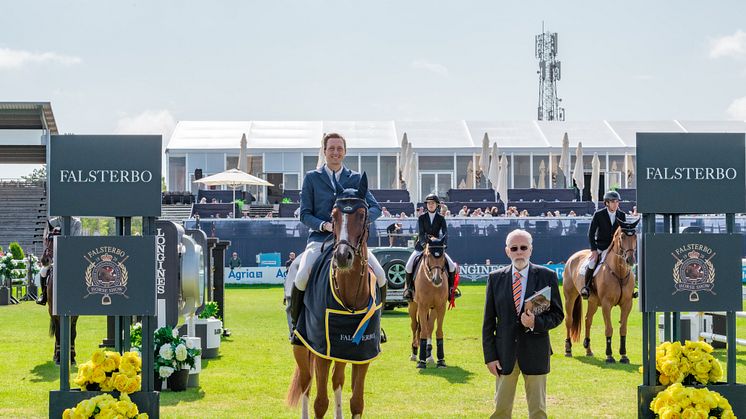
(174, 356)
(110, 371)
(105, 406)
(689, 402)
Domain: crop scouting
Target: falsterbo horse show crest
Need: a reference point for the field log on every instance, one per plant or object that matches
(106, 273)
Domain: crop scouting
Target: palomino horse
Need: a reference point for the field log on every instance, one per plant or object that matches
(613, 285)
(350, 283)
(54, 321)
(430, 303)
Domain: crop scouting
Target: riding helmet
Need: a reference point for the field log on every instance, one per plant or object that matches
(433, 197)
(612, 196)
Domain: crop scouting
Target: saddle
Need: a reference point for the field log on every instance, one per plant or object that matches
(584, 266)
(331, 331)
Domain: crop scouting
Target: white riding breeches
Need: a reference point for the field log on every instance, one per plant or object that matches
(413, 256)
(313, 251)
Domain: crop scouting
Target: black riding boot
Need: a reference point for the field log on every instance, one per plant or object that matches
(42, 300)
(409, 291)
(296, 305)
(451, 282)
(585, 292)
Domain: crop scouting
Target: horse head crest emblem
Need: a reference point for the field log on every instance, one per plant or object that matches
(106, 273)
(694, 271)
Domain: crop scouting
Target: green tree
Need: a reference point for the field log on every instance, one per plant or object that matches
(37, 175)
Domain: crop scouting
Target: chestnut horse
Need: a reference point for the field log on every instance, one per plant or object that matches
(54, 321)
(350, 281)
(613, 285)
(430, 303)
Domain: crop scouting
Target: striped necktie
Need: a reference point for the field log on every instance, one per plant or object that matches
(517, 291)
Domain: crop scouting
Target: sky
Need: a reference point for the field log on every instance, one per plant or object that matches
(142, 66)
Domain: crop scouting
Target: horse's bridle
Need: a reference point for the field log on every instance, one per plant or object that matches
(621, 254)
(441, 267)
(352, 204)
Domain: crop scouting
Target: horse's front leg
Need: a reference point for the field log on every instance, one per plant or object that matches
(609, 331)
(321, 404)
(357, 403)
(441, 314)
(625, 309)
(592, 307)
(338, 381)
(415, 330)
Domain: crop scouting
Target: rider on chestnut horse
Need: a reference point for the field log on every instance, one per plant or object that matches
(431, 225)
(605, 222)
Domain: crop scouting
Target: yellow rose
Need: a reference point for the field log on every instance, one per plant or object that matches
(142, 416)
(120, 381)
(109, 365)
(114, 355)
(127, 369)
(669, 414)
(98, 375)
(121, 407)
(132, 411)
(133, 385)
(98, 357)
(67, 414)
(107, 385)
(670, 368)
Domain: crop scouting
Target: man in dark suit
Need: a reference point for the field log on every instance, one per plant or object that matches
(317, 199)
(514, 340)
(600, 233)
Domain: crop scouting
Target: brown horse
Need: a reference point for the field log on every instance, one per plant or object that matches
(54, 321)
(351, 285)
(613, 285)
(430, 303)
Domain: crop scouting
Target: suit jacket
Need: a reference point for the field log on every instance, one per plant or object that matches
(427, 228)
(601, 231)
(504, 337)
(318, 196)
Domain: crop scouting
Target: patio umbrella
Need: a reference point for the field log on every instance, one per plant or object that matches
(242, 154)
(404, 158)
(469, 175)
(630, 168)
(502, 188)
(578, 176)
(412, 176)
(494, 173)
(234, 179)
(564, 162)
(542, 175)
(321, 160)
(595, 178)
(484, 158)
(552, 170)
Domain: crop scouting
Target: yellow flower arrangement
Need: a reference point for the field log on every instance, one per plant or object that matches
(678, 401)
(688, 364)
(111, 371)
(105, 406)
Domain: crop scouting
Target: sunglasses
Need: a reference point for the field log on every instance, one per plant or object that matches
(515, 248)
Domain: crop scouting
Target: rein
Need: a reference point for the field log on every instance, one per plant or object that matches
(430, 269)
(361, 251)
(621, 254)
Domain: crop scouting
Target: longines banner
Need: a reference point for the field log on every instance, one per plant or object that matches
(692, 272)
(691, 173)
(106, 275)
(105, 175)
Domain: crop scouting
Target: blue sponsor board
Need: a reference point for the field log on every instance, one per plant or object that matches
(479, 273)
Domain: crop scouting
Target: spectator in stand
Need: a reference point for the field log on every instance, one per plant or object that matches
(234, 261)
(477, 213)
(393, 229)
(296, 213)
(549, 214)
(214, 201)
(487, 213)
(385, 212)
(572, 214)
(403, 215)
(420, 211)
(557, 213)
(464, 212)
(523, 213)
(495, 212)
(444, 210)
(487, 262)
(448, 213)
(269, 215)
(203, 200)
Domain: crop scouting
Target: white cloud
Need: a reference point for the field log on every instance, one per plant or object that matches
(737, 109)
(14, 58)
(148, 122)
(729, 46)
(436, 68)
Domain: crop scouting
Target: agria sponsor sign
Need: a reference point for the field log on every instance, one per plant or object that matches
(255, 275)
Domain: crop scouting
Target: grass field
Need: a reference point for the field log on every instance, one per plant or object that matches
(250, 377)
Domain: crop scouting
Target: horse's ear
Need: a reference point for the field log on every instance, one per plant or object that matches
(362, 187)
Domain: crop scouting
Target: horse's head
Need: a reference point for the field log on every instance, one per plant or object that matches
(434, 260)
(350, 224)
(627, 240)
(48, 253)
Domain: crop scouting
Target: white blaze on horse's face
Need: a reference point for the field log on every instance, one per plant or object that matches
(344, 255)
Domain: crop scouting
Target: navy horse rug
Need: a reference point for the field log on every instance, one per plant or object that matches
(330, 330)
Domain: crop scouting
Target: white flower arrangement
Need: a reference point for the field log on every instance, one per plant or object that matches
(181, 352)
(166, 352)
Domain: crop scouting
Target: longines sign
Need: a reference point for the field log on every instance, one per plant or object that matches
(692, 272)
(111, 275)
(105, 175)
(691, 173)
